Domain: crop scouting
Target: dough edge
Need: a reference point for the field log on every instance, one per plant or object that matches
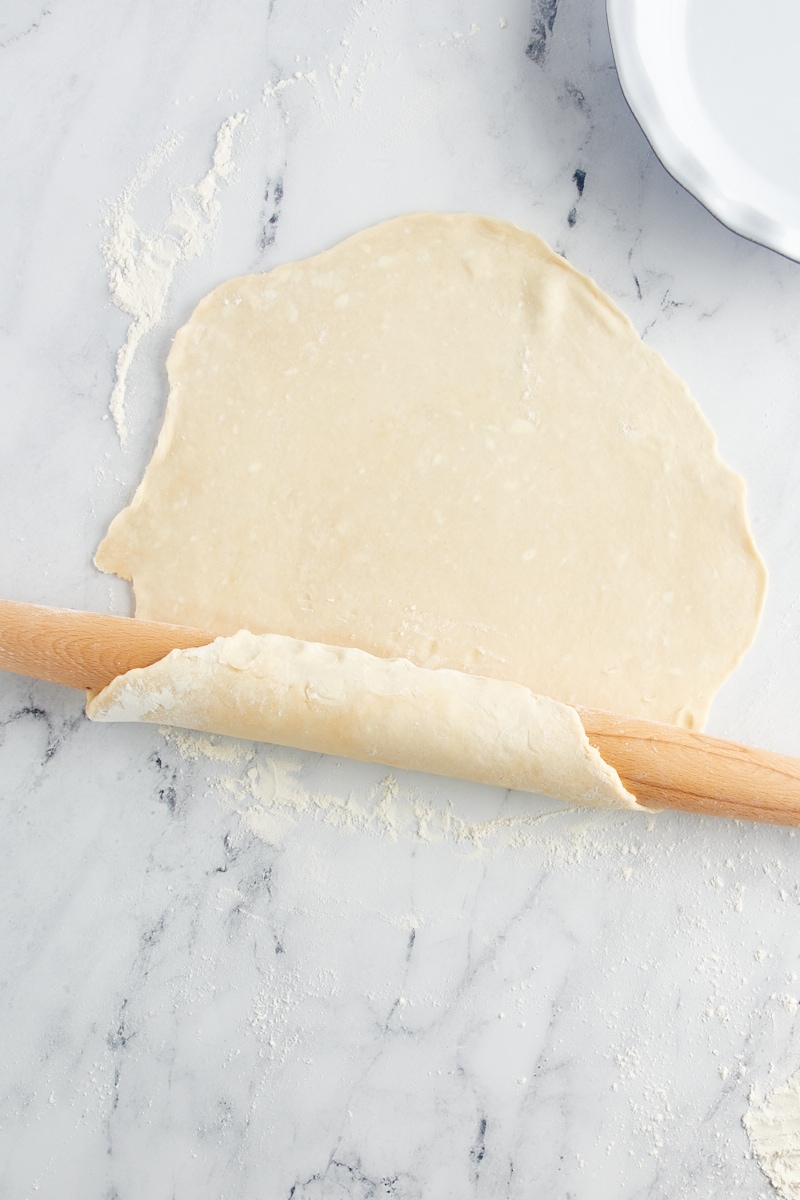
(348, 703)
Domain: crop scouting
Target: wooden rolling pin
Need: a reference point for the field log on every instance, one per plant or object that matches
(663, 766)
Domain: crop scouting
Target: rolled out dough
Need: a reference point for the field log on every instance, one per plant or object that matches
(347, 702)
(434, 449)
(439, 441)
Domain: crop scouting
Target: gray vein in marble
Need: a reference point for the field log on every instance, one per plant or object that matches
(273, 198)
(32, 27)
(543, 19)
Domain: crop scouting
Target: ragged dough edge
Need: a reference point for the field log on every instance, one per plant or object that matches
(351, 704)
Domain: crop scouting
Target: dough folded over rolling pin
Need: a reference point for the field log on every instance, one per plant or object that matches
(349, 703)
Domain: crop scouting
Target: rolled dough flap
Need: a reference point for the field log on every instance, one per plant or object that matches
(352, 704)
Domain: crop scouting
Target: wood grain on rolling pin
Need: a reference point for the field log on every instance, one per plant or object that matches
(675, 768)
(81, 649)
(663, 766)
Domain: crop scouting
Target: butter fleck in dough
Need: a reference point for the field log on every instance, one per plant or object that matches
(439, 442)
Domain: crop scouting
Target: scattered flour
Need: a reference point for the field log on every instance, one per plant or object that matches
(773, 1126)
(273, 789)
(271, 90)
(141, 266)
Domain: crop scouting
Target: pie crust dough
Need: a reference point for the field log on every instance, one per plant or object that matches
(439, 442)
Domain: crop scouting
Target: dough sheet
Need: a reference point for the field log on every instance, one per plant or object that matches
(439, 441)
(349, 703)
(439, 469)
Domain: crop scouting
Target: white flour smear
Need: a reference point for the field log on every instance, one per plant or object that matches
(141, 265)
(271, 789)
(773, 1126)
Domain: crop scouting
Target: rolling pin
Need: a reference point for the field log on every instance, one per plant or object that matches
(662, 765)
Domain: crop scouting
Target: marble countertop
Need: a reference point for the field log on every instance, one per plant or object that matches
(231, 971)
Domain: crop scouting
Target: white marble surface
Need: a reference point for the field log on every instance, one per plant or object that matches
(207, 989)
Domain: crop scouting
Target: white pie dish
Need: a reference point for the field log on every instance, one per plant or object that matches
(713, 84)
